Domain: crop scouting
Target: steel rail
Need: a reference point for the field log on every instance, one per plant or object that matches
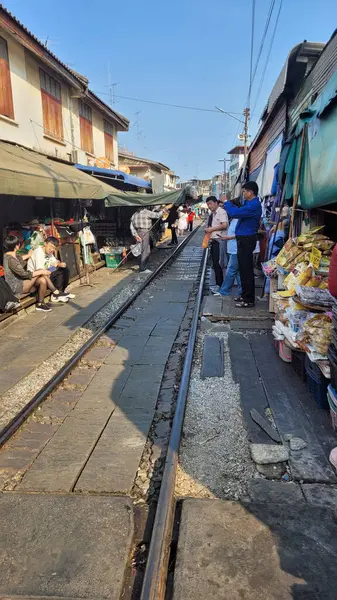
(17, 421)
(154, 582)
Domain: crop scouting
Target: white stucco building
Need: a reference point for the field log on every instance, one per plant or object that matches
(163, 179)
(47, 107)
(237, 158)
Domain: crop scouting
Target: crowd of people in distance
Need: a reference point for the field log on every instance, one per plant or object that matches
(179, 220)
(232, 229)
(35, 272)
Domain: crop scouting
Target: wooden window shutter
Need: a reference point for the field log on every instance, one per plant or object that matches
(51, 105)
(6, 98)
(87, 141)
(109, 140)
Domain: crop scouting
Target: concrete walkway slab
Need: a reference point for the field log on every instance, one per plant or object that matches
(64, 546)
(59, 465)
(24, 343)
(217, 308)
(230, 551)
(284, 389)
(213, 357)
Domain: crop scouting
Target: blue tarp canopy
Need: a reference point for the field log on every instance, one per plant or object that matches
(115, 175)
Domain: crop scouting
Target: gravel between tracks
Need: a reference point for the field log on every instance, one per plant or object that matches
(214, 452)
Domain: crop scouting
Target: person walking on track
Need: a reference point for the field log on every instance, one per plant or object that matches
(172, 221)
(182, 221)
(190, 219)
(217, 225)
(249, 216)
(140, 225)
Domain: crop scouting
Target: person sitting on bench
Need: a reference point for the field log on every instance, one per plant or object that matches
(43, 257)
(24, 282)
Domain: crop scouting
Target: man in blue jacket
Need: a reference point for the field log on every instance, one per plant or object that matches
(249, 215)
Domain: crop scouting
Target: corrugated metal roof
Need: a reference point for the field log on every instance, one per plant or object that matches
(113, 174)
(305, 52)
(237, 150)
(315, 80)
(45, 49)
(80, 79)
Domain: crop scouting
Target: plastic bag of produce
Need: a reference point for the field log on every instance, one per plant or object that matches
(290, 257)
(315, 296)
(319, 330)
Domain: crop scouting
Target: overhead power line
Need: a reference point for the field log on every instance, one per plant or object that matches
(269, 16)
(268, 56)
(229, 112)
(251, 54)
(266, 27)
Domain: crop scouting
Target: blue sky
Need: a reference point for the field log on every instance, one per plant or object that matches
(185, 52)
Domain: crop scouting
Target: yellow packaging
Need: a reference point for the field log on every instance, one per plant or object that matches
(313, 282)
(286, 293)
(304, 277)
(290, 282)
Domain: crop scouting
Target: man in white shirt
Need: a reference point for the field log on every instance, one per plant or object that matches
(43, 257)
(217, 229)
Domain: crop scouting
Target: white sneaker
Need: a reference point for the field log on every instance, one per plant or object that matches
(70, 296)
(59, 298)
(214, 289)
(146, 272)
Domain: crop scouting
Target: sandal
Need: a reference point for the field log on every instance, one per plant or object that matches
(245, 304)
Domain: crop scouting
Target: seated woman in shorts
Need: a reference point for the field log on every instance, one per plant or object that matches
(22, 281)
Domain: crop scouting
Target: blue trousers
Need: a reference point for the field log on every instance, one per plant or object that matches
(232, 273)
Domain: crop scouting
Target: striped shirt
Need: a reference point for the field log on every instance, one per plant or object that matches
(143, 220)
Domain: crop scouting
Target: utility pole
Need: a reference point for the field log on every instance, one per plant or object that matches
(246, 114)
(224, 160)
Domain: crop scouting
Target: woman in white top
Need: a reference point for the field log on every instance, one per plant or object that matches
(182, 221)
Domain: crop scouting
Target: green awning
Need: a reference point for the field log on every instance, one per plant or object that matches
(24, 172)
(138, 199)
(318, 175)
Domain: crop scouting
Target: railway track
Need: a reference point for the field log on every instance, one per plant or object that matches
(62, 463)
(52, 384)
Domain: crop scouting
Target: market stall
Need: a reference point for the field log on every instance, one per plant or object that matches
(304, 309)
(40, 197)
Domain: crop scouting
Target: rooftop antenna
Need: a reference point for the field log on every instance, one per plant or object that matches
(112, 96)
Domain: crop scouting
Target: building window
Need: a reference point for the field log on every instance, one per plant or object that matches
(109, 140)
(51, 105)
(6, 98)
(87, 141)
